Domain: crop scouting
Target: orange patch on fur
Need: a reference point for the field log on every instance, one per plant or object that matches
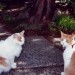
(2, 61)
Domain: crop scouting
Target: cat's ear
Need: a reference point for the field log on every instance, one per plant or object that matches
(62, 34)
(22, 33)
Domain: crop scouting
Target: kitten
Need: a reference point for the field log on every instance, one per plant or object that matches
(11, 47)
(68, 41)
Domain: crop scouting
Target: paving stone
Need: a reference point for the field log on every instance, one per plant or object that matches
(38, 52)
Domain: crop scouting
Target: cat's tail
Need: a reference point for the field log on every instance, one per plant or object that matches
(4, 65)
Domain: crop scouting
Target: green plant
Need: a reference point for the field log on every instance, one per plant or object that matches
(67, 23)
(57, 18)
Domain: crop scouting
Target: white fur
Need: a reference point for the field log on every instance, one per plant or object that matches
(67, 54)
(11, 48)
(68, 51)
(62, 73)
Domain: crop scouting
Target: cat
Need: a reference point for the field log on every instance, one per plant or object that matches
(10, 48)
(68, 42)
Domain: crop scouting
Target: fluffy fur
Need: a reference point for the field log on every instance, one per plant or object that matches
(11, 48)
(68, 41)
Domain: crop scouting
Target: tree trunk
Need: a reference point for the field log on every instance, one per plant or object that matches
(43, 11)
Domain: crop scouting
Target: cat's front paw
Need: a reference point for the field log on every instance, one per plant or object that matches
(14, 65)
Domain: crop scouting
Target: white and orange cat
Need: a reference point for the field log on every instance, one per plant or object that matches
(68, 41)
(10, 48)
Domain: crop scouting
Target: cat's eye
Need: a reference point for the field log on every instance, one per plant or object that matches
(19, 38)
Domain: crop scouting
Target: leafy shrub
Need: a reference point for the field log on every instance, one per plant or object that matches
(57, 18)
(67, 23)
